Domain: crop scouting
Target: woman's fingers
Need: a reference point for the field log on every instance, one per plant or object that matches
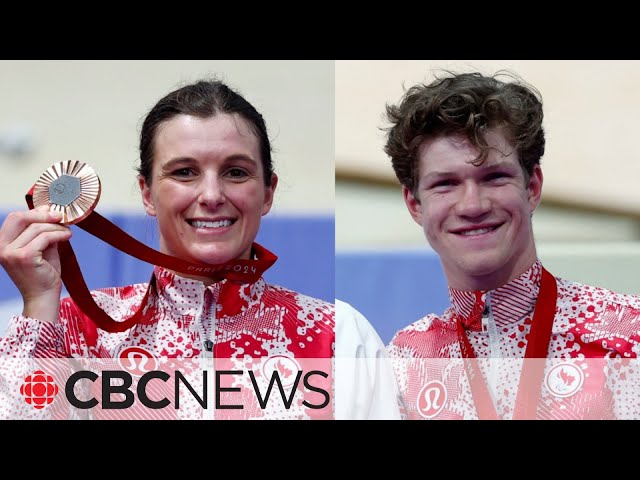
(18, 222)
(41, 235)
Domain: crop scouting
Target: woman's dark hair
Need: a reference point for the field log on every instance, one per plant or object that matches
(205, 98)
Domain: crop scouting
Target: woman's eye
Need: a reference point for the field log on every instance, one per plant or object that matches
(182, 172)
(236, 173)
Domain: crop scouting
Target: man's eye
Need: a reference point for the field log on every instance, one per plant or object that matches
(442, 183)
(496, 175)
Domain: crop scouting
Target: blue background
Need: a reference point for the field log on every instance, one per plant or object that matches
(305, 247)
(392, 288)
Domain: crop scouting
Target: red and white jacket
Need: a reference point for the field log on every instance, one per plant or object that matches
(592, 368)
(246, 324)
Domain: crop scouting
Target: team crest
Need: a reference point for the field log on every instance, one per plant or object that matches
(564, 380)
(431, 399)
(287, 368)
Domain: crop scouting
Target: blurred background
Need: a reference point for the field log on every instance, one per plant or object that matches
(92, 111)
(325, 119)
(587, 227)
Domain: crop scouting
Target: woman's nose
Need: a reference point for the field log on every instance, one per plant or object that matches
(211, 192)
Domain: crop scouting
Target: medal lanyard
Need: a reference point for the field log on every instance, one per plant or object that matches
(532, 371)
(235, 271)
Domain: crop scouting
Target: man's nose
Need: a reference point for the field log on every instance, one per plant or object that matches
(473, 201)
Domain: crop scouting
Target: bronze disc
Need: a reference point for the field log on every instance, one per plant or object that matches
(70, 187)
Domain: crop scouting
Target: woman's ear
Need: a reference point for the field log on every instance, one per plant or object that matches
(147, 199)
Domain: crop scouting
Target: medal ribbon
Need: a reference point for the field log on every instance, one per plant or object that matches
(532, 371)
(235, 271)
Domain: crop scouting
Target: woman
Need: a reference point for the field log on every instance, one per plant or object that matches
(206, 175)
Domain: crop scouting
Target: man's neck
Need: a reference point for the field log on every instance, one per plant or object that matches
(487, 282)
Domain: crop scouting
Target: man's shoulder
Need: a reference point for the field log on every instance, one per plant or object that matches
(421, 327)
(581, 292)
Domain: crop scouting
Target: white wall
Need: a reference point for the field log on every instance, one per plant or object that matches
(92, 111)
(592, 158)
(591, 120)
(376, 217)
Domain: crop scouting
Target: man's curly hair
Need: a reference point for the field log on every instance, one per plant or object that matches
(467, 104)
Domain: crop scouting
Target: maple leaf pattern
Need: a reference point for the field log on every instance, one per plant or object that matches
(566, 378)
(285, 372)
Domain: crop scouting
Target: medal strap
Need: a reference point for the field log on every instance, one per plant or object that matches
(236, 271)
(532, 371)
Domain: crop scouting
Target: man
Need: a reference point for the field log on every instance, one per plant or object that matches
(466, 149)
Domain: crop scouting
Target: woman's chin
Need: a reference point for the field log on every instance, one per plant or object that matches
(211, 254)
(216, 257)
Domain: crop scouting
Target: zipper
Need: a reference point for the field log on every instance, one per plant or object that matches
(485, 316)
(210, 319)
(208, 348)
(489, 327)
(207, 351)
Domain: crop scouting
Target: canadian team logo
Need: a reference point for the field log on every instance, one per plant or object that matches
(564, 380)
(431, 399)
(287, 368)
(137, 361)
(39, 389)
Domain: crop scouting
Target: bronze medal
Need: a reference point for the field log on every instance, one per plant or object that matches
(70, 187)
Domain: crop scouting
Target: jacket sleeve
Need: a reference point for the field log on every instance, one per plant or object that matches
(365, 387)
(33, 370)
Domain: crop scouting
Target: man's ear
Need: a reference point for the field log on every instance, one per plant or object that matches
(413, 205)
(269, 194)
(535, 187)
(147, 200)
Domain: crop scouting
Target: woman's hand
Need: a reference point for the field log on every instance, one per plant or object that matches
(29, 254)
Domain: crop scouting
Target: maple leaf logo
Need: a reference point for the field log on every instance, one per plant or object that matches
(283, 370)
(566, 378)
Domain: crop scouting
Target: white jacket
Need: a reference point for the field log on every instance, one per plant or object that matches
(365, 386)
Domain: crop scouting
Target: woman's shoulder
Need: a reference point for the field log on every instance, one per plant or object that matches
(116, 297)
(279, 294)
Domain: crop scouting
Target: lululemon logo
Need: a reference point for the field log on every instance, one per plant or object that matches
(431, 399)
(137, 361)
(564, 380)
(39, 389)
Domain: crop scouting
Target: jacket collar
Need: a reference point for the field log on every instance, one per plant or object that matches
(509, 303)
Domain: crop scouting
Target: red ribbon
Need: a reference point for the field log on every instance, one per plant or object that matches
(532, 371)
(235, 271)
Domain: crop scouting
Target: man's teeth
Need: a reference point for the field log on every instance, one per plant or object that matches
(203, 224)
(478, 231)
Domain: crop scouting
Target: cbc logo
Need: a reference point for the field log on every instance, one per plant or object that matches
(39, 389)
(137, 361)
(431, 399)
